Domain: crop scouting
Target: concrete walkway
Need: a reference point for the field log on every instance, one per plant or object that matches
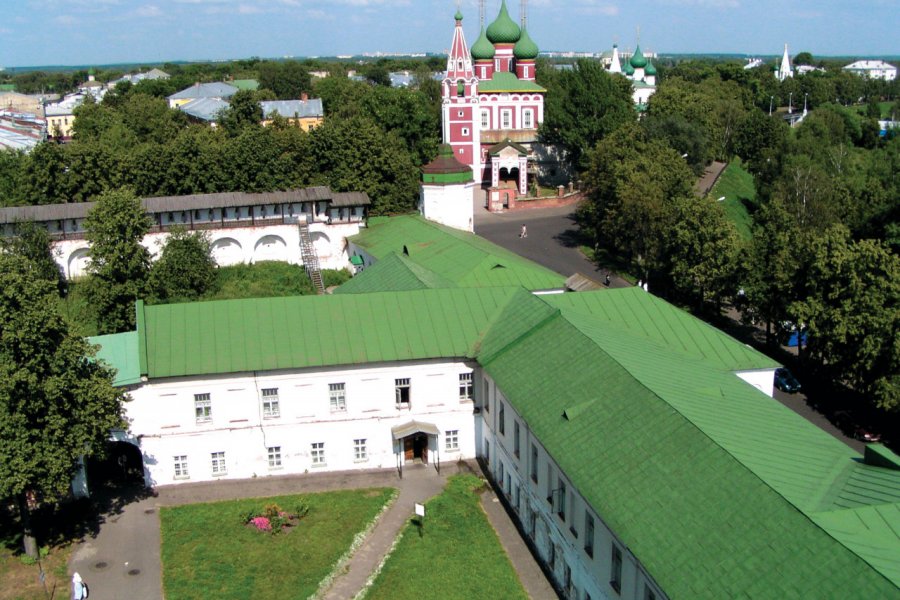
(122, 560)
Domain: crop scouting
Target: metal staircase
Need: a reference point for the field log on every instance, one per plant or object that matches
(310, 260)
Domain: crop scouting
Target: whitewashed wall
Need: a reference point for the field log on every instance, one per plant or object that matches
(162, 417)
(539, 517)
(450, 205)
(238, 245)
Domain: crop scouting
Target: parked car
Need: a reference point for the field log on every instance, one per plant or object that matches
(786, 382)
(866, 435)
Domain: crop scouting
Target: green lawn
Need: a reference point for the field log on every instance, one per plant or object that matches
(260, 280)
(208, 553)
(737, 185)
(457, 556)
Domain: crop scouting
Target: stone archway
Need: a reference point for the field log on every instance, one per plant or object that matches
(78, 263)
(321, 244)
(120, 466)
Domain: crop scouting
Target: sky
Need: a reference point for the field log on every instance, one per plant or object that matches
(97, 32)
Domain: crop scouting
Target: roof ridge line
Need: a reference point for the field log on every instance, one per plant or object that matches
(555, 311)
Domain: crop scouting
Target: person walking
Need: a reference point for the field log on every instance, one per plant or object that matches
(524, 232)
(79, 588)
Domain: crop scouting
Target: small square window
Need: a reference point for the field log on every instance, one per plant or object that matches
(465, 386)
(317, 452)
(275, 457)
(337, 397)
(218, 463)
(360, 452)
(181, 467)
(465, 131)
(402, 392)
(270, 405)
(451, 440)
(203, 408)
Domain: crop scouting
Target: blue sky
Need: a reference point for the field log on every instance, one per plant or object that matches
(78, 32)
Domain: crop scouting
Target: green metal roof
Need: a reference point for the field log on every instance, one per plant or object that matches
(393, 273)
(508, 82)
(245, 84)
(120, 351)
(503, 29)
(463, 258)
(264, 334)
(706, 480)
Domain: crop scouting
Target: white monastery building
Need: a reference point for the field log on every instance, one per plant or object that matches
(873, 69)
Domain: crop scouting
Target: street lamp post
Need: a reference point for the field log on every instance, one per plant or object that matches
(771, 101)
(790, 103)
(805, 94)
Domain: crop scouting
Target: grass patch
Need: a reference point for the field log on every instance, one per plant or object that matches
(208, 553)
(260, 280)
(456, 542)
(739, 189)
(21, 578)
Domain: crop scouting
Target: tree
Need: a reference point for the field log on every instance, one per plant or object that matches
(119, 264)
(185, 270)
(804, 58)
(588, 105)
(243, 111)
(56, 405)
(33, 243)
(850, 310)
(689, 139)
(703, 251)
(288, 79)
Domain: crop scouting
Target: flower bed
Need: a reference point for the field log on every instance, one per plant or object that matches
(273, 519)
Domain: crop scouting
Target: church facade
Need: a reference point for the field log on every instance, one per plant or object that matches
(492, 105)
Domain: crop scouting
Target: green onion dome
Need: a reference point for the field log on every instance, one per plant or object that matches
(628, 70)
(458, 15)
(637, 60)
(503, 30)
(525, 48)
(482, 49)
(650, 69)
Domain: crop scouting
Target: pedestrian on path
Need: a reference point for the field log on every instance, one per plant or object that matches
(524, 232)
(79, 588)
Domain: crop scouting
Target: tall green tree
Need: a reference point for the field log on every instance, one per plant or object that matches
(119, 264)
(587, 104)
(243, 111)
(34, 244)
(851, 310)
(56, 405)
(185, 269)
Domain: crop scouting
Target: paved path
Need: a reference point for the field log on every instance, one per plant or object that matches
(122, 560)
(710, 176)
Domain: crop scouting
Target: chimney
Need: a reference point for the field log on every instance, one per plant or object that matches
(304, 96)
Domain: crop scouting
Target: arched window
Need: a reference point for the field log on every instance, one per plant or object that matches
(460, 88)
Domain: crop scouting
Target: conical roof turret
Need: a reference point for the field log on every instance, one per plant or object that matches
(503, 30)
(483, 49)
(525, 48)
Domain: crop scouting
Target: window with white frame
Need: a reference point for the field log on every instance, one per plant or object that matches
(487, 396)
(465, 131)
(218, 463)
(561, 502)
(451, 440)
(317, 453)
(527, 118)
(516, 438)
(181, 467)
(360, 453)
(588, 534)
(203, 408)
(501, 418)
(337, 396)
(270, 406)
(534, 463)
(615, 575)
(506, 118)
(402, 392)
(485, 119)
(465, 386)
(274, 457)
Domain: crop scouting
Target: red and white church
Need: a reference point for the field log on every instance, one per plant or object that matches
(492, 106)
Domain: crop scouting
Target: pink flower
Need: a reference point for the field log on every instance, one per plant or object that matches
(262, 523)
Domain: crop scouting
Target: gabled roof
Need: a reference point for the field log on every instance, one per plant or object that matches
(393, 273)
(463, 258)
(205, 109)
(507, 143)
(292, 109)
(205, 90)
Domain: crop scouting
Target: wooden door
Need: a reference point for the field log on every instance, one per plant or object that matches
(408, 448)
